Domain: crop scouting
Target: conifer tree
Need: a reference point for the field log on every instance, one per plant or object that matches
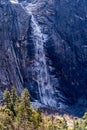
(14, 100)
(6, 98)
(24, 110)
(8, 119)
(13, 95)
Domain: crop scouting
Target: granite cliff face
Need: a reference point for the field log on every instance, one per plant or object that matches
(43, 46)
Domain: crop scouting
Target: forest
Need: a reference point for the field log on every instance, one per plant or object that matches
(17, 113)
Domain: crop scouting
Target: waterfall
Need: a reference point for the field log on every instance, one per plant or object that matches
(40, 67)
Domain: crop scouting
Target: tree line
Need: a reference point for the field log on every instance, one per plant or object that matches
(17, 113)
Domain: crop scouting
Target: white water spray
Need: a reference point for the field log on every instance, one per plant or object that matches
(40, 67)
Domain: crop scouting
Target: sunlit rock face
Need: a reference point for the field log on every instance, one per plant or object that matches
(59, 30)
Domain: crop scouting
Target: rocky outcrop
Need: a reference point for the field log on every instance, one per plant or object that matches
(14, 24)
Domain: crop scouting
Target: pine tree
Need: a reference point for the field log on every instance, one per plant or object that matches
(14, 100)
(14, 96)
(6, 98)
(8, 119)
(36, 118)
(39, 116)
(24, 110)
(25, 98)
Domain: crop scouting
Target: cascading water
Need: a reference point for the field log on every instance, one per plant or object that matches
(40, 68)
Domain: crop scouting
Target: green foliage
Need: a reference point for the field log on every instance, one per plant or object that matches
(24, 110)
(25, 98)
(18, 114)
(1, 126)
(6, 98)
